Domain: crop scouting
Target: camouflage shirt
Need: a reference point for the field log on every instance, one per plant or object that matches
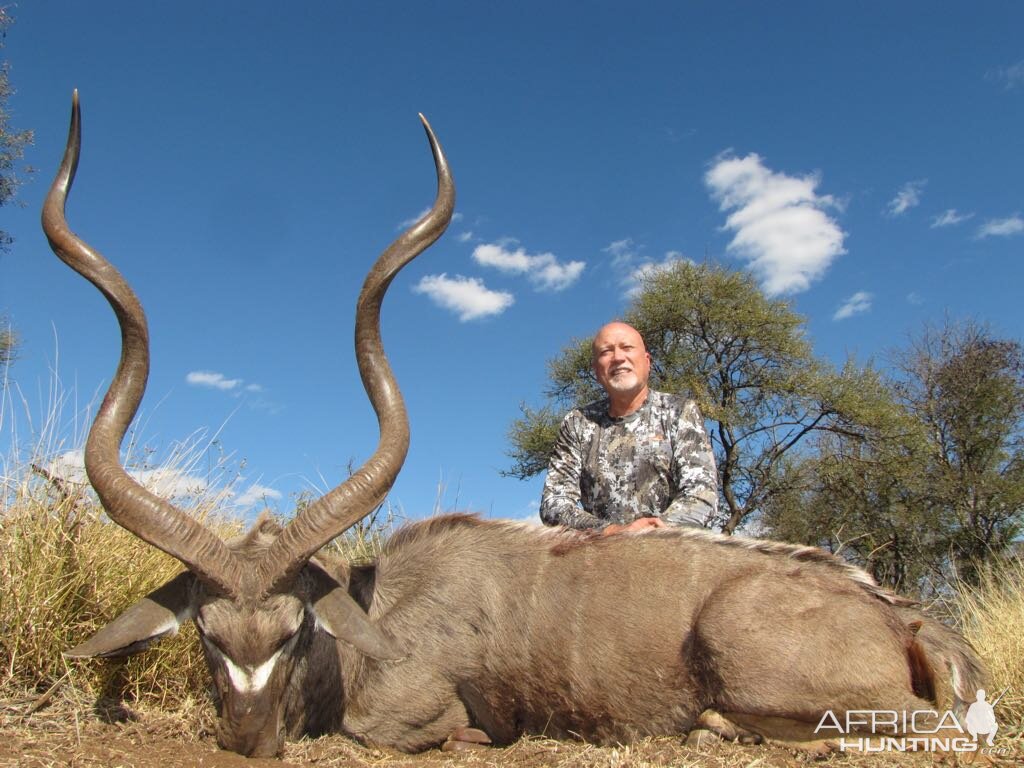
(655, 462)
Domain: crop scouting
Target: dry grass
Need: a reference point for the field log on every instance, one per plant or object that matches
(148, 736)
(991, 615)
(65, 571)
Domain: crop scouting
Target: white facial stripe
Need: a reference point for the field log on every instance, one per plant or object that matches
(249, 679)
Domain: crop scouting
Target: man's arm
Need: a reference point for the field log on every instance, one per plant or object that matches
(693, 464)
(560, 502)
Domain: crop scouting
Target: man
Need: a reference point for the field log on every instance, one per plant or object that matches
(637, 459)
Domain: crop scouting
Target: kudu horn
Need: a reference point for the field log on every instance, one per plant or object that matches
(173, 530)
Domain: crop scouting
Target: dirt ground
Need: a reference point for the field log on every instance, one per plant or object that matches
(63, 733)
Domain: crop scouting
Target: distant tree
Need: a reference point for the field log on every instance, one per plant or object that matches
(714, 334)
(860, 498)
(8, 344)
(941, 494)
(966, 387)
(12, 142)
(12, 149)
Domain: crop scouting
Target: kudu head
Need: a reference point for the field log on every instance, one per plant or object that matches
(256, 602)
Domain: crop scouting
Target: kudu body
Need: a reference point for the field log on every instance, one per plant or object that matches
(503, 627)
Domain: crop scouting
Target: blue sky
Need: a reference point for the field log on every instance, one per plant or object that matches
(244, 163)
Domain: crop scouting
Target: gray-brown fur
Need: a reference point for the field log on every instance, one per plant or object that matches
(508, 629)
(513, 629)
(303, 695)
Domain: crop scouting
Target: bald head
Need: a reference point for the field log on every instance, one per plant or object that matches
(621, 365)
(615, 330)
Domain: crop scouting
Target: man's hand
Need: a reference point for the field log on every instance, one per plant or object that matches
(640, 524)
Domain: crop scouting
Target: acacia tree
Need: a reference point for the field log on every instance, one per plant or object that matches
(966, 388)
(859, 498)
(12, 149)
(939, 496)
(12, 142)
(714, 334)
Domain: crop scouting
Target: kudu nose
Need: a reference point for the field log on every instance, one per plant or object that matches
(248, 733)
(252, 743)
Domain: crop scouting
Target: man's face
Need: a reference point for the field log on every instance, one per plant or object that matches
(621, 362)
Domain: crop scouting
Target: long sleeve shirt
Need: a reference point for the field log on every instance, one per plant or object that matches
(654, 462)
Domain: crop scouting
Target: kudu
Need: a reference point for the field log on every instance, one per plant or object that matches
(464, 628)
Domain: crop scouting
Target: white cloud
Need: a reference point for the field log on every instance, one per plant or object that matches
(544, 270)
(256, 493)
(409, 222)
(1012, 76)
(915, 298)
(949, 217)
(635, 280)
(464, 237)
(1011, 225)
(406, 223)
(171, 483)
(554, 276)
(623, 252)
(530, 511)
(780, 223)
(168, 483)
(212, 379)
(908, 196)
(467, 296)
(859, 302)
(237, 388)
(69, 466)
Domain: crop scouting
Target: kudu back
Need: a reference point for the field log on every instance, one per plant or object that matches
(464, 627)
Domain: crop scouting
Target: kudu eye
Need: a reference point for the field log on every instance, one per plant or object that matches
(285, 640)
(214, 643)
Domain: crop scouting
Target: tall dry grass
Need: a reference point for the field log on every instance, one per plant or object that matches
(991, 616)
(66, 570)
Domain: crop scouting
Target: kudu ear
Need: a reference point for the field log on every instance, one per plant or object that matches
(155, 616)
(343, 618)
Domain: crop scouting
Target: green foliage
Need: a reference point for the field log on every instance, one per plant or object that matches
(855, 498)
(12, 149)
(937, 488)
(12, 141)
(713, 333)
(532, 437)
(966, 388)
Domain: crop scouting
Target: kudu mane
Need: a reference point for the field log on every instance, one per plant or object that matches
(563, 540)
